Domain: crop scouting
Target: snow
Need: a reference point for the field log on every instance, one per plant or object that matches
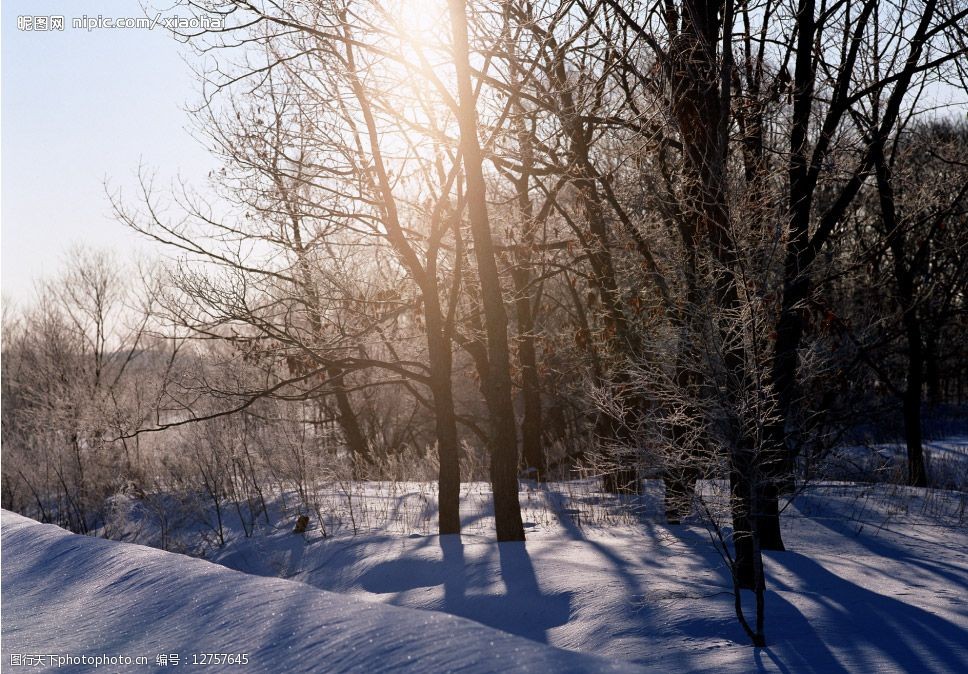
(874, 580)
(946, 462)
(70, 595)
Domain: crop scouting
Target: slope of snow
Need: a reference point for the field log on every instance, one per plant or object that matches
(69, 595)
(875, 580)
(946, 462)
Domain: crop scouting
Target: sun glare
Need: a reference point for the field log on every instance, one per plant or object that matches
(423, 22)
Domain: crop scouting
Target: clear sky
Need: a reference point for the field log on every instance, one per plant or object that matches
(80, 108)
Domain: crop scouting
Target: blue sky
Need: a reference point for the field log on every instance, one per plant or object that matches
(80, 108)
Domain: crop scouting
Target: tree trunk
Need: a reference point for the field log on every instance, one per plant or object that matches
(438, 330)
(768, 515)
(778, 463)
(620, 341)
(504, 441)
(904, 275)
(702, 107)
(348, 421)
(532, 450)
(525, 308)
(680, 479)
(917, 477)
(932, 373)
(744, 560)
(445, 419)
(350, 424)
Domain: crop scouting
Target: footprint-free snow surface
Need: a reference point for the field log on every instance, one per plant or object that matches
(70, 596)
(875, 579)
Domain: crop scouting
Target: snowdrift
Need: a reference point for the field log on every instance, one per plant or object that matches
(72, 596)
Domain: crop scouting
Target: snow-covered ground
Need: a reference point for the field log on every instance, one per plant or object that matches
(70, 597)
(946, 462)
(875, 580)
